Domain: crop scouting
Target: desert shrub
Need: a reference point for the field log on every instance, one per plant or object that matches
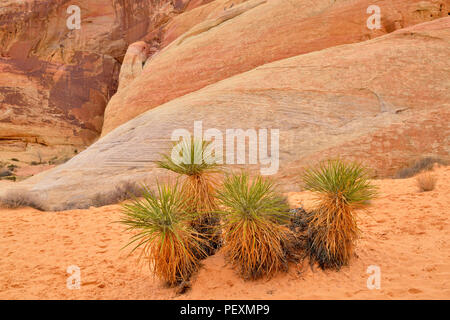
(254, 239)
(123, 191)
(424, 164)
(170, 245)
(52, 160)
(194, 163)
(5, 173)
(426, 181)
(11, 178)
(20, 198)
(340, 187)
(15, 159)
(62, 160)
(71, 205)
(58, 161)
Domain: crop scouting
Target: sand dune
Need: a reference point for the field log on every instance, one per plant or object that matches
(405, 233)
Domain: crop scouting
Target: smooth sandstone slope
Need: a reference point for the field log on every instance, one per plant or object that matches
(209, 44)
(55, 82)
(160, 37)
(138, 53)
(384, 102)
(404, 232)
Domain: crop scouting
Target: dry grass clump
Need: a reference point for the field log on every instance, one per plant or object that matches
(170, 245)
(20, 198)
(341, 187)
(123, 191)
(192, 159)
(254, 241)
(424, 164)
(58, 161)
(72, 205)
(426, 181)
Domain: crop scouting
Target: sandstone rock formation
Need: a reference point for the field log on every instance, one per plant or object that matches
(224, 38)
(133, 63)
(384, 101)
(55, 81)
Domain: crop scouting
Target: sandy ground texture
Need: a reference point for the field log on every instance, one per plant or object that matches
(406, 233)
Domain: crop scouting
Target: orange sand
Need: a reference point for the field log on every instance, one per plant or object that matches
(405, 232)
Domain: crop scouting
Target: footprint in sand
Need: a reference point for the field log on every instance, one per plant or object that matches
(414, 291)
(122, 270)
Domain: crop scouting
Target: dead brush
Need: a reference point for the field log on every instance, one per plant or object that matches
(192, 160)
(426, 182)
(123, 191)
(421, 165)
(341, 187)
(20, 198)
(171, 246)
(254, 239)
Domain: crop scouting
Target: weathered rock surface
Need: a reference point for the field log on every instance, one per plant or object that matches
(133, 63)
(55, 81)
(384, 101)
(224, 38)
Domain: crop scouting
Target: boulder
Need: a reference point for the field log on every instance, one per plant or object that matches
(224, 38)
(133, 63)
(384, 102)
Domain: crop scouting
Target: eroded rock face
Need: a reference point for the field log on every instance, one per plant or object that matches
(47, 108)
(384, 102)
(224, 38)
(55, 81)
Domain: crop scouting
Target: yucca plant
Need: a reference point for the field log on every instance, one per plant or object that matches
(341, 187)
(192, 160)
(254, 239)
(171, 246)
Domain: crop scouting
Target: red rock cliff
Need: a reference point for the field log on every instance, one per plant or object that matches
(54, 81)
